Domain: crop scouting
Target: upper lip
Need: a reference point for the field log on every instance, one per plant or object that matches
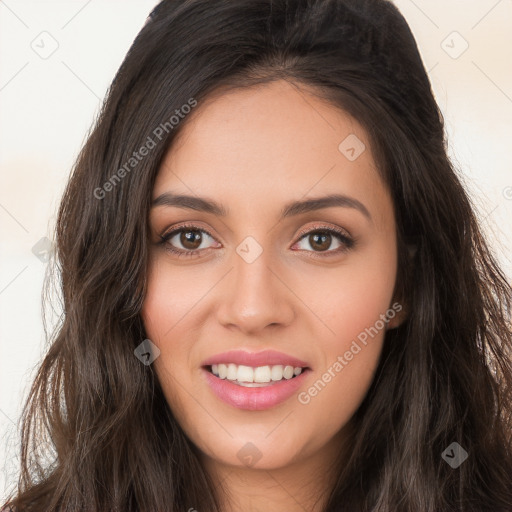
(263, 358)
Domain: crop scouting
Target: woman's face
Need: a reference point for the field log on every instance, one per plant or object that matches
(264, 274)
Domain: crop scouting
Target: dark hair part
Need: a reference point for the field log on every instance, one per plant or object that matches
(445, 375)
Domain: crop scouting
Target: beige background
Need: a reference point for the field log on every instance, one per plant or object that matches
(48, 104)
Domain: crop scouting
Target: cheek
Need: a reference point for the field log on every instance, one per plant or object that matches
(331, 399)
(172, 298)
(355, 301)
(353, 296)
(169, 299)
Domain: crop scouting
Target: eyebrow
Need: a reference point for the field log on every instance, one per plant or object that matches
(289, 210)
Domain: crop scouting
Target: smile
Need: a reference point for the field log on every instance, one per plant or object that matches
(259, 376)
(254, 396)
(254, 381)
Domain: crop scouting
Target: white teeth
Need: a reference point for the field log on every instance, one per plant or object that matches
(251, 384)
(232, 372)
(277, 372)
(223, 371)
(262, 374)
(244, 374)
(258, 375)
(288, 372)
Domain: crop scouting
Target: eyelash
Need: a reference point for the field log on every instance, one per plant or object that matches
(347, 242)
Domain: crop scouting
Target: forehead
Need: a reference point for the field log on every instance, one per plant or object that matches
(267, 144)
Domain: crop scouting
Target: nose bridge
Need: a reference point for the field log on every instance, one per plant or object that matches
(255, 297)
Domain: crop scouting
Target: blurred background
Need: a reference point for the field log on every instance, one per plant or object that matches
(57, 59)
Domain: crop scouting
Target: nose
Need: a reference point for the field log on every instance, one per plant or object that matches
(255, 296)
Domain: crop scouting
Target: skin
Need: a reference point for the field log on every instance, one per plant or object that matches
(255, 150)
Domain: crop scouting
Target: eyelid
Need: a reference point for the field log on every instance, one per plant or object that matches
(348, 242)
(324, 227)
(300, 234)
(347, 239)
(185, 225)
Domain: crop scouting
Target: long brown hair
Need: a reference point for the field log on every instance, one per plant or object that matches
(445, 375)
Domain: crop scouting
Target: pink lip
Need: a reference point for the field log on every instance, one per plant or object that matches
(254, 399)
(263, 358)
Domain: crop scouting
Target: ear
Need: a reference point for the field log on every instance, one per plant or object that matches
(399, 311)
(397, 314)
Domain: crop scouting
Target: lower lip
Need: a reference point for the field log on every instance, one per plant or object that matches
(254, 399)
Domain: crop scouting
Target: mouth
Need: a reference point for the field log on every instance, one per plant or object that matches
(254, 388)
(255, 377)
(254, 381)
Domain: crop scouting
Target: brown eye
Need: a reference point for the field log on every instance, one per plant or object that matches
(321, 240)
(186, 240)
(190, 239)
